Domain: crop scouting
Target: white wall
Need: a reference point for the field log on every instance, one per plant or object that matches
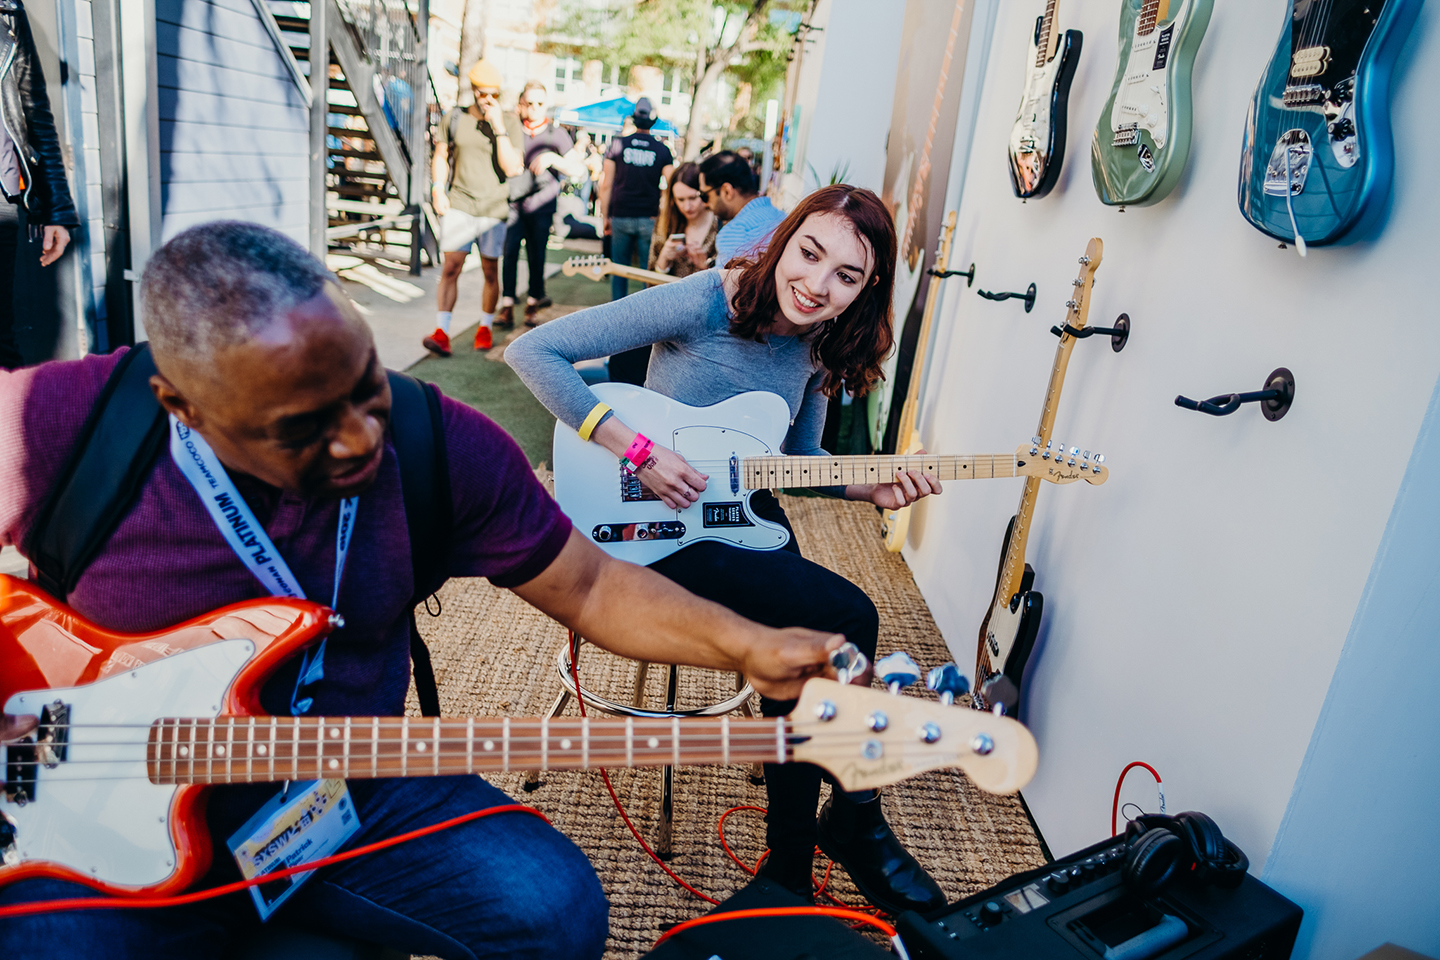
(851, 117)
(1196, 605)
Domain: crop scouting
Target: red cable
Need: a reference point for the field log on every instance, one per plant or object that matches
(1115, 806)
(123, 903)
(580, 699)
(843, 914)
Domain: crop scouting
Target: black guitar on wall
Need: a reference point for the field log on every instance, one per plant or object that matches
(1037, 141)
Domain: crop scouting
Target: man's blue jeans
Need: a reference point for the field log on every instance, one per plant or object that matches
(509, 885)
(629, 238)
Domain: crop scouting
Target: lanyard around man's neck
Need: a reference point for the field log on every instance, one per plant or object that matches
(242, 532)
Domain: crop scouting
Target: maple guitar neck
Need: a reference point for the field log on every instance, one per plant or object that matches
(1049, 40)
(1012, 567)
(232, 749)
(767, 473)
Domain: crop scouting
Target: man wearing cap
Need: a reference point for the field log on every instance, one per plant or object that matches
(630, 202)
(479, 149)
(630, 191)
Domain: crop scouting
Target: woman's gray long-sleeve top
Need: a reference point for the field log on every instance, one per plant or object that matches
(696, 360)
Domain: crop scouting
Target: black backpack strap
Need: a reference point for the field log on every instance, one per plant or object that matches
(418, 433)
(124, 432)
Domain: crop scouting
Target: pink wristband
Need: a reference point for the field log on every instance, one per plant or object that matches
(639, 451)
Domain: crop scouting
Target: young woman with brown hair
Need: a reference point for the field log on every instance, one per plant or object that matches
(804, 318)
(684, 239)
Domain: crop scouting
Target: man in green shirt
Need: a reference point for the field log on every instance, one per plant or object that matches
(477, 150)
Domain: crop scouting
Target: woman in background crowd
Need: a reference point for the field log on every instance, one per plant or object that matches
(684, 238)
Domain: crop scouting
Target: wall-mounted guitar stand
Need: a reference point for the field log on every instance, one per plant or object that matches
(1028, 296)
(1119, 334)
(969, 275)
(1274, 399)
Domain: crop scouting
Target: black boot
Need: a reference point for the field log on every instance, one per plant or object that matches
(794, 791)
(856, 836)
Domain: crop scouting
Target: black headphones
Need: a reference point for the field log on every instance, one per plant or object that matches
(1159, 849)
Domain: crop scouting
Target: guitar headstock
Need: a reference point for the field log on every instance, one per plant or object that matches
(1055, 463)
(869, 738)
(1078, 306)
(593, 267)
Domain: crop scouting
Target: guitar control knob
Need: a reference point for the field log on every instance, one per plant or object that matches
(991, 912)
(897, 670)
(947, 681)
(1058, 882)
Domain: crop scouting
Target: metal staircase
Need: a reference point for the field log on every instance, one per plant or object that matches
(378, 101)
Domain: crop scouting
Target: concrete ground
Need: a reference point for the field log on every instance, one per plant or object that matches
(401, 310)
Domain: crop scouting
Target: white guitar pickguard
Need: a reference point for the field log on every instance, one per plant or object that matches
(1031, 133)
(588, 479)
(96, 812)
(1144, 99)
(1000, 635)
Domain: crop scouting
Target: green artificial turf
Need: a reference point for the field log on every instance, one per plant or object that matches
(491, 387)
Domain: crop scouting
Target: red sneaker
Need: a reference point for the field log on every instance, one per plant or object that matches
(438, 342)
(483, 338)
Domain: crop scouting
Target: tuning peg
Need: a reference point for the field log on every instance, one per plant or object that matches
(1077, 282)
(1099, 459)
(948, 681)
(848, 662)
(1035, 440)
(1084, 261)
(897, 670)
(1074, 452)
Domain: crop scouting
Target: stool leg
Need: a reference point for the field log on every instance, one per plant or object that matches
(532, 777)
(641, 672)
(665, 837)
(757, 770)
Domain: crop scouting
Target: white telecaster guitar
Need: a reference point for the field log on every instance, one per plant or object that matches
(736, 443)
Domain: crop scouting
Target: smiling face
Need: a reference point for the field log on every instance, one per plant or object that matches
(688, 199)
(823, 269)
(303, 405)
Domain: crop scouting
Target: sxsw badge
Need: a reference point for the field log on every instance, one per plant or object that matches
(302, 823)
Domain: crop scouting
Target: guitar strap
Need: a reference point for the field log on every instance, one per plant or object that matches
(126, 430)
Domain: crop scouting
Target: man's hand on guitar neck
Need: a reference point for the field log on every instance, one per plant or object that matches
(13, 728)
(665, 474)
(635, 612)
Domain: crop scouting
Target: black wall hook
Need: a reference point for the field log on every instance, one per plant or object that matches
(1119, 334)
(1028, 296)
(1274, 399)
(969, 275)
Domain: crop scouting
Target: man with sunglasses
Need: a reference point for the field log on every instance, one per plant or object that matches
(728, 187)
(480, 149)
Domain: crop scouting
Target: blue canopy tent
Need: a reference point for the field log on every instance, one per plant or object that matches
(609, 116)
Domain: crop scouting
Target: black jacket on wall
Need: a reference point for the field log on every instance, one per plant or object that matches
(25, 113)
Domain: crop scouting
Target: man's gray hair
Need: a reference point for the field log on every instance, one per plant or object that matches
(221, 283)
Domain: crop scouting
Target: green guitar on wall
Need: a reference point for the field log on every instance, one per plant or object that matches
(1142, 140)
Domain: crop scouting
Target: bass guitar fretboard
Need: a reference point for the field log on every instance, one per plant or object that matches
(270, 749)
(766, 473)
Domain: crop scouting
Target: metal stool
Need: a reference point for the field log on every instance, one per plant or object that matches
(569, 657)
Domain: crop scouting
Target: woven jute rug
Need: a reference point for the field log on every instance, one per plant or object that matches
(495, 655)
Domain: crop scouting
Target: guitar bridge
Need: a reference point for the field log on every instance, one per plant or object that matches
(1304, 94)
(631, 489)
(1127, 136)
(1289, 164)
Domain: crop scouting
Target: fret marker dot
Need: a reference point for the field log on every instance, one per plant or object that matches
(565, 744)
(219, 751)
(184, 751)
(653, 742)
(420, 747)
(489, 744)
(262, 750)
(334, 764)
(335, 733)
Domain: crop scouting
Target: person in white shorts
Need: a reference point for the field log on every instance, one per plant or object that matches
(476, 150)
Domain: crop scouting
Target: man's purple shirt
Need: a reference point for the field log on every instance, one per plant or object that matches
(167, 562)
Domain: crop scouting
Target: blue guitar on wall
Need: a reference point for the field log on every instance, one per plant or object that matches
(1318, 153)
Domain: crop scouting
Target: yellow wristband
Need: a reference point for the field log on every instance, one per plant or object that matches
(591, 420)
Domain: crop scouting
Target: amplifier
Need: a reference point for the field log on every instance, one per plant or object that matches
(1079, 908)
